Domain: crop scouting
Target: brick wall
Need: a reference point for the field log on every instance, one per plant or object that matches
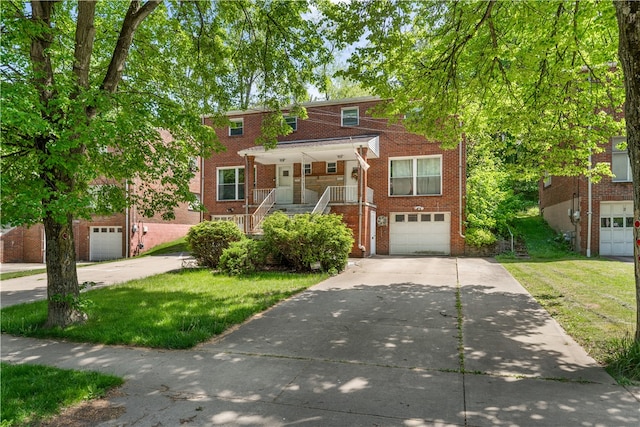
(324, 121)
(556, 199)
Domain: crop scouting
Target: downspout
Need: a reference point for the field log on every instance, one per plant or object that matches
(247, 225)
(127, 230)
(202, 180)
(201, 188)
(589, 211)
(460, 170)
(360, 201)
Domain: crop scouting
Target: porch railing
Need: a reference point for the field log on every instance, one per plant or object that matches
(240, 220)
(259, 194)
(262, 210)
(343, 193)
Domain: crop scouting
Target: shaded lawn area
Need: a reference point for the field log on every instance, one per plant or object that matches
(172, 310)
(593, 299)
(31, 393)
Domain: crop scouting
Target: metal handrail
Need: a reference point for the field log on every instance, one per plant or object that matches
(323, 202)
(263, 209)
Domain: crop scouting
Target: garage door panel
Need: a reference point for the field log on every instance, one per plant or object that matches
(105, 243)
(616, 228)
(424, 233)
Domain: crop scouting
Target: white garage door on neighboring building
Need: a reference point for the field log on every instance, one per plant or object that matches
(105, 243)
(420, 233)
(616, 228)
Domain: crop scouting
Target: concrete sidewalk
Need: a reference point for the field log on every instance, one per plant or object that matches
(378, 345)
(33, 288)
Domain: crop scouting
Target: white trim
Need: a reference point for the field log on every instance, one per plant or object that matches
(414, 177)
(342, 111)
(241, 121)
(237, 183)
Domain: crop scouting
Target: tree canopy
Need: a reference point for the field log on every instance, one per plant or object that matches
(542, 74)
(88, 88)
(549, 81)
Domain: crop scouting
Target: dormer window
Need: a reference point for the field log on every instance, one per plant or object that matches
(350, 116)
(236, 127)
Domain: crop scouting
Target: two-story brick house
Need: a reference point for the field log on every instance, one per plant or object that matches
(598, 217)
(124, 234)
(399, 193)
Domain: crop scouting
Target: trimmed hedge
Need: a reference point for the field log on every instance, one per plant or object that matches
(209, 239)
(308, 241)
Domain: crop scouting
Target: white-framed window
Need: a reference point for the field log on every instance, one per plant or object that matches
(332, 167)
(546, 180)
(292, 121)
(350, 116)
(307, 168)
(236, 127)
(415, 176)
(231, 183)
(620, 163)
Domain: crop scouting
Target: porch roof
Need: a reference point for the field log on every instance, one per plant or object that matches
(315, 150)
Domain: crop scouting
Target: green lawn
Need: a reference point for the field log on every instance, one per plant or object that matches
(31, 393)
(592, 298)
(172, 310)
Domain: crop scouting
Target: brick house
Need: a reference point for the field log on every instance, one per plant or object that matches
(598, 218)
(399, 193)
(105, 237)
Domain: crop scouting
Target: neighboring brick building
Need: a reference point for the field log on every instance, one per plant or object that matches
(409, 200)
(568, 207)
(105, 237)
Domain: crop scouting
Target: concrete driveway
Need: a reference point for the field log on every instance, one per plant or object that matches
(389, 342)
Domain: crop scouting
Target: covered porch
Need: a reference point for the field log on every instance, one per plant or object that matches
(307, 176)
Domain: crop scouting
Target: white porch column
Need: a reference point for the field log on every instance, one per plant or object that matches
(302, 180)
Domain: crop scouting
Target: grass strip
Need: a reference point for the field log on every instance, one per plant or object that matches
(172, 310)
(31, 393)
(593, 299)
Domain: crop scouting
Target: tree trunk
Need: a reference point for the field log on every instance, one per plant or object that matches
(63, 290)
(628, 16)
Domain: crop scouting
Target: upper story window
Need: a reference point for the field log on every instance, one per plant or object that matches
(620, 164)
(307, 168)
(332, 167)
(236, 127)
(350, 116)
(292, 121)
(415, 176)
(231, 183)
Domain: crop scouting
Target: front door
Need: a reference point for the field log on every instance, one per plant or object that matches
(284, 185)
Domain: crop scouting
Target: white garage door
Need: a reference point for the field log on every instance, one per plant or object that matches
(420, 233)
(616, 228)
(105, 243)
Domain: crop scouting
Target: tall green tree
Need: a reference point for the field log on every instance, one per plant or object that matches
(87, 86)
(554, 75)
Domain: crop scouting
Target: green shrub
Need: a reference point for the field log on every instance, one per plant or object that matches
(242, 257)
(479, 237)
(208, 239)
(309, 241)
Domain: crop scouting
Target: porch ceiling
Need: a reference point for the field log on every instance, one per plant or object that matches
(317, 150)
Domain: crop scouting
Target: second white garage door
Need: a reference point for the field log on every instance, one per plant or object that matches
(420, 233)
(105, 243)
(616, 228)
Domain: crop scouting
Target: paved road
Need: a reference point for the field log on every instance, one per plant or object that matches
(378, 345)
